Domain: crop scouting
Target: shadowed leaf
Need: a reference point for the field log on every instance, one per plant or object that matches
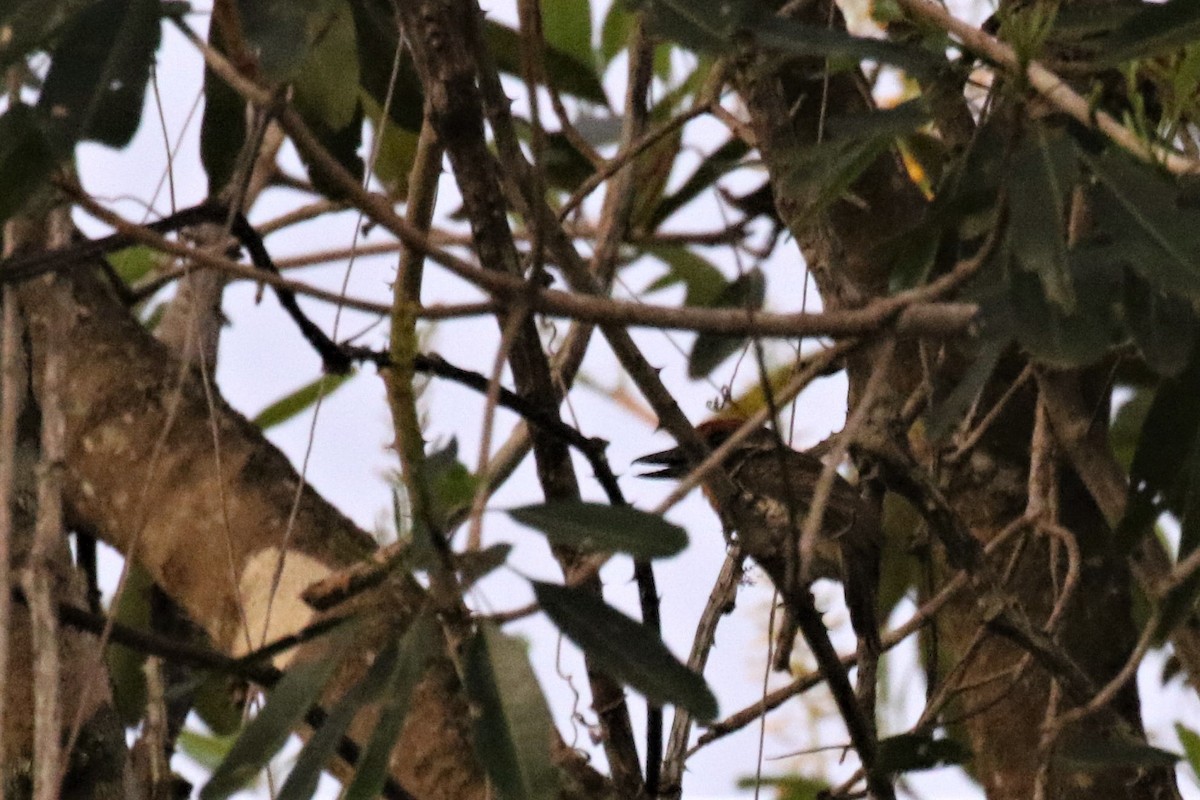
(597, 527)
(513, 731)
(626, 650)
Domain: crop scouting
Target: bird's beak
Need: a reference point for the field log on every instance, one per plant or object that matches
(672, 461)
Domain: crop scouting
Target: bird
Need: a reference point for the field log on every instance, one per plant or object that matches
(774, 489)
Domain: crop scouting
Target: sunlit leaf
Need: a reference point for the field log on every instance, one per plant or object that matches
(624, 649)
(134, 263)
(513, 731)
(597, 527)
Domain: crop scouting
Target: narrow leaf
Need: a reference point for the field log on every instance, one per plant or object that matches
(625, 649)
(603, 528)
(297, 401)
(910, 752)
(1158, 27)
(1191, 745)
(1097, 755)
(417, 646)
(285, 707)
(302, 781)
(98, 72)
(1160, 461)
(513, 731)
(709, 350)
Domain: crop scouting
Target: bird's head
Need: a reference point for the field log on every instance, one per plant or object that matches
(674, 463)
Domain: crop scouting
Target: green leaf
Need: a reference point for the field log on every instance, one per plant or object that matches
(396, 150)
(207, 750)
(473, 565)
(818, 175)
(1161, 463)
(377, 36)
(1163, 325)
(285, 708)
(795, 38)
(945, 414)
(302, 781)
(297, 401)
(26, 158)
(223, 127)
(134, 263)
(615, 32)
(343, 145)
(98, 72)
(125, 665)
(707, 25)
(626, 650)
(703, 280)
(1178, 603)
(1157, 28)
(571, 75)
(451, 485)
(1127, 425)
(910, 752)
(1067, 339)
(419, 644)
(788, 787)
(709, 350)
(1142, 222)
(326, 89)
(1043, 171)
(597, 527)
(31, 25)
(281, 32)
(218, 703)
(1191, 745)
(1093, 754)
(567, 26)
(513, 730)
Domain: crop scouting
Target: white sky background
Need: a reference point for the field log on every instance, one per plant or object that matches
(263, 357)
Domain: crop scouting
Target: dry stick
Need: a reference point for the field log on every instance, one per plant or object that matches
(1092, 459)
(613, 230)
(720, 599)
(910, 313)
(627, 154)
(45, 559)
(12, 395)
(1056, 92)
(921, 617)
